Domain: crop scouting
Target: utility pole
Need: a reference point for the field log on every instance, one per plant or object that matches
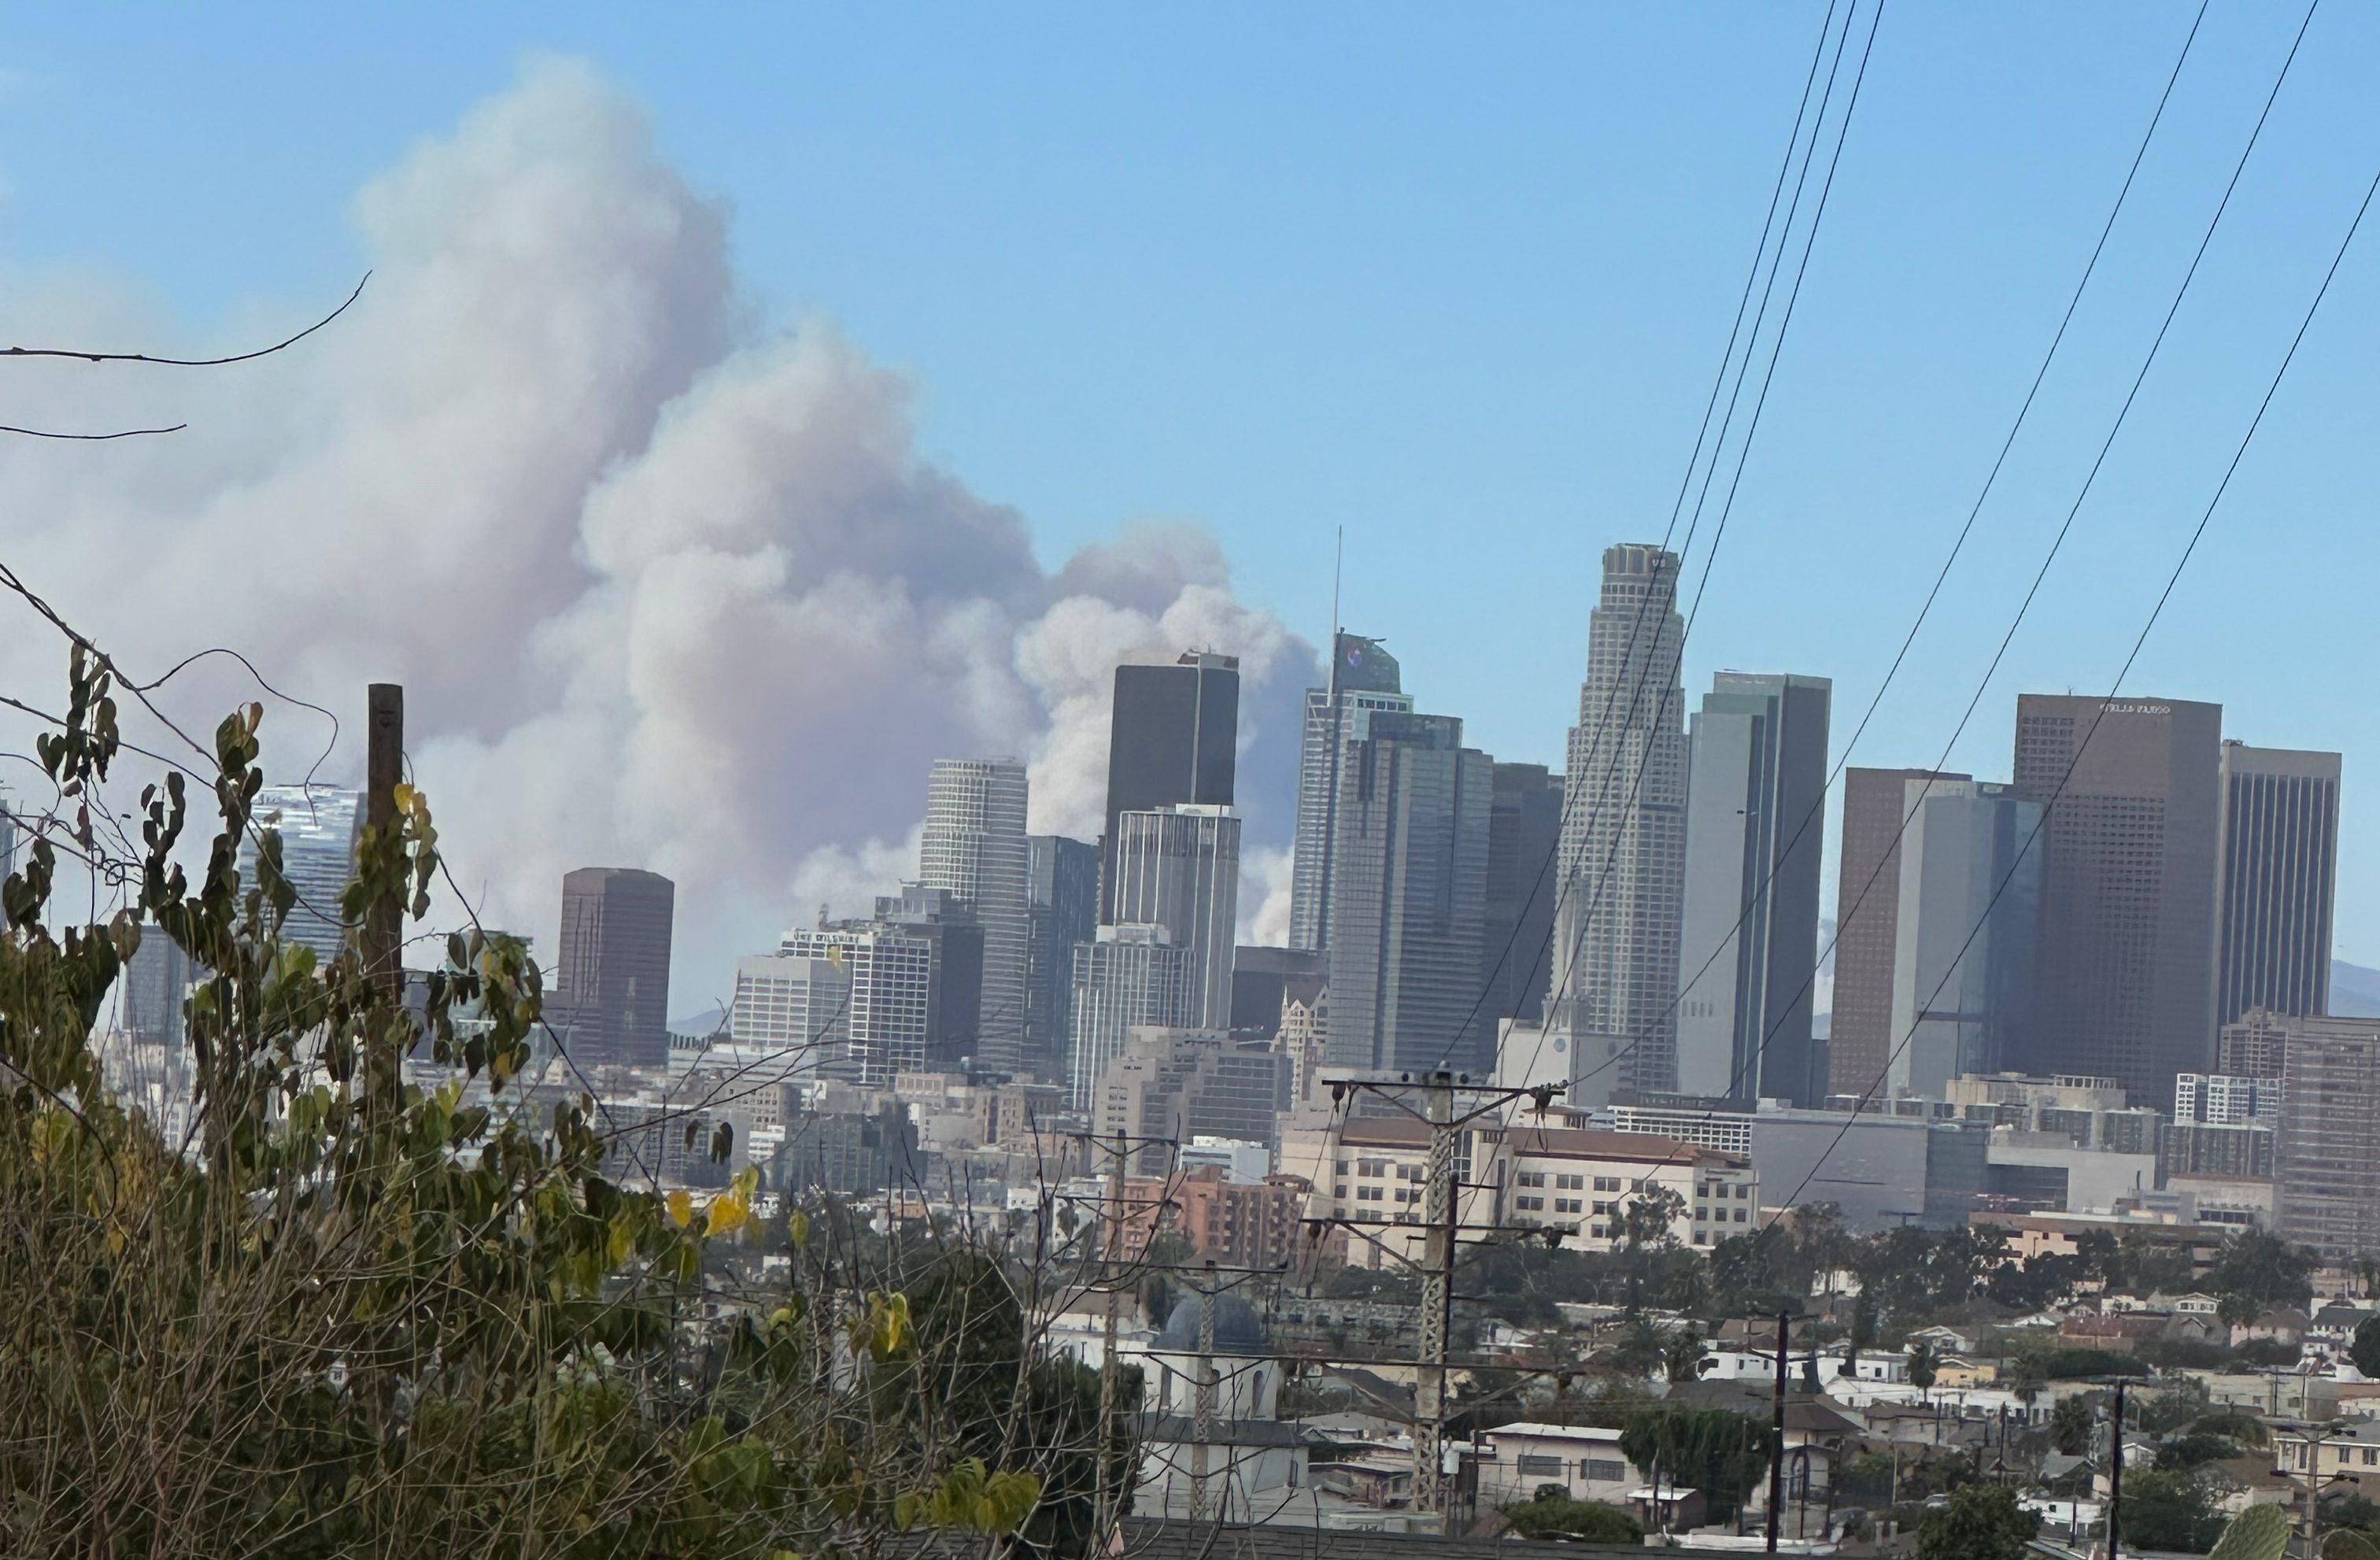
(2116, 1473)
(383, 770)
(1776, 1439)
(1436, 1300)
(1202, 1410)
(1110, 1241)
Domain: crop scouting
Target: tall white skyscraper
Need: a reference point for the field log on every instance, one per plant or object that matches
(1755, 802)
(974, 847)
(1130, 976)
(318, 828)
(1179, 868)
(1624, 839)
(1364, 678)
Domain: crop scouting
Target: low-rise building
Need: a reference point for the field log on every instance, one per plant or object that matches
(1587, 1181)
(1515, 1460)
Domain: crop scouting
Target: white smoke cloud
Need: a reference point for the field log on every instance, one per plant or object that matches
(664, 588)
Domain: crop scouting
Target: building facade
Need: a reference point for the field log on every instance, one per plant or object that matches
(1860, 1037)
(2125, 980)
(2280, 878)
(1969, 914)
(1062, 908)
(954, 936)
(974, 847)
(1173, 739)
(1178, 867)
(319, 828)
(2327, 1174)
(1523, 837)
(1169, 1085)
(1755, 805)
(1129, 976)
(1363, 677)
(888, 1013)
(1622, 862)
(611, 965)
(1409, 900)
(1589, 1181)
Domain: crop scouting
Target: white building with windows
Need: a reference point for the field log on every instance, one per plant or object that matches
(1516, 1460)
(1587, 1180)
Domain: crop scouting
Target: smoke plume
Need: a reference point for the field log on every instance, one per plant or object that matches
(665, 587)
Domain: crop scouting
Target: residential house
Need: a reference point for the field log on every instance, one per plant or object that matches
(2282, 1324)
(1515, 1460)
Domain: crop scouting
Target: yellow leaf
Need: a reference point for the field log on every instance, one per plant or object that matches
(403, 796)
(727, 1213)
(798, 1227)
(681, 1208)
(834, 955)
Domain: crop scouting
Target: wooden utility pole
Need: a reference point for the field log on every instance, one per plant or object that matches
(384, 771)
(1111, 1242)
(1776, 1439)
(2116, 1474)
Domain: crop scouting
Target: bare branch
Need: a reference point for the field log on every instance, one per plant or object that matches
(174, 362)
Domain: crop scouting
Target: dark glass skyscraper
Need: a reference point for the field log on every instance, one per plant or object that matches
(1524, 827)
(2125, 975)
(1173, 737)
(1408, 899)
(611, 969)
(1755, 834)
(2280, 877)
(1062, 908)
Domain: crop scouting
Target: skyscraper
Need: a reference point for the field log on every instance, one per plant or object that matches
(1062, 908)
(1623, 844)
(973, 846)
(2326, 1175)
(1409, 899)
(154, 986)
(1524, 829)
(318, 828)
(612, 966)
(1129, 976)
(1969, 907)
(952, 935)
(1363, 677)
(1178, 867)
(1172, 738)
(1755, 808)
(2280, 875)
(2126, 977)
(1867, 916)
(888, 996)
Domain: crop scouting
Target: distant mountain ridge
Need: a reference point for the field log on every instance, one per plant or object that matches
(2354, 990)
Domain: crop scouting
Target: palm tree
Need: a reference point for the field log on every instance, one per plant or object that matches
(1925, 1363)
(2070, 1423)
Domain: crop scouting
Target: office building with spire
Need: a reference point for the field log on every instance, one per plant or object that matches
(1364, 678)
(974, 847)
(1621, 872)
(1755, 828)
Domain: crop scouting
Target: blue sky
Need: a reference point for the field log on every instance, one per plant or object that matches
(1457, 283)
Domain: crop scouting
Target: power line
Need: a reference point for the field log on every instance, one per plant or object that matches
(2165, 595)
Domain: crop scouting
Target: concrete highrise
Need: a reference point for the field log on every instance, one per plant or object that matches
(1622, 866)
(1062, 908)
(1172, 739)
(973, 846)
(1363, 677)
(1516, 946)
(1867, 917)
(1178, 867)
(2327, 1174)
(154, 985)
(1409, 898)
(612, 966)
(2125, 976)
(1968, 908)
(887, 1014)
(1755, 827)
(318, 828)
(1130, 976)
(953, 937)
(2280, 877)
